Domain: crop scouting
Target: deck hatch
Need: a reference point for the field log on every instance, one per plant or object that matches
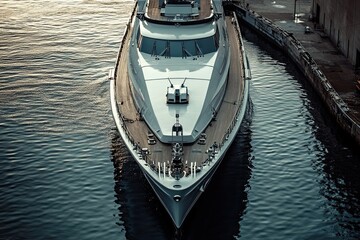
(179, 8)
(177, 94)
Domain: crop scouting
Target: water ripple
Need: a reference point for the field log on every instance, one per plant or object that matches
(66, 174)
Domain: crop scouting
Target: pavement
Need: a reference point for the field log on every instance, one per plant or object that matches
(337, 69)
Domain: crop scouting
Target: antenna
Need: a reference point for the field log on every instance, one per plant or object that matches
(182, 85)
(171, 85)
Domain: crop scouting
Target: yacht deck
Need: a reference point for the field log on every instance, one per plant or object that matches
(216, 132)
(154, 10)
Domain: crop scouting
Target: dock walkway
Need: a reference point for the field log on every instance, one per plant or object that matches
(333, 64)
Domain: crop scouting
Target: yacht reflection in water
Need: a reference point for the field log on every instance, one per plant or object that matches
(216, 214)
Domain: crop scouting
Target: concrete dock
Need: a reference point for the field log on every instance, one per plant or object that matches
(332, 63)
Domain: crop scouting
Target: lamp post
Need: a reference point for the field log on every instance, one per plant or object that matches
(295, 10)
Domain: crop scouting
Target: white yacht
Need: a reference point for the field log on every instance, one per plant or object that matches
(179, 93)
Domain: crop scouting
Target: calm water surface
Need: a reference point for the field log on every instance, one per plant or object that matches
(66, 174)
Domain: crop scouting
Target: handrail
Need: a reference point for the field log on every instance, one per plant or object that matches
(117, 62)
(245, 68)
(137, 146)
(285, 40)
(124, 36)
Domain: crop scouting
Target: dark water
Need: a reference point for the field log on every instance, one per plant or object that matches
(65, 173)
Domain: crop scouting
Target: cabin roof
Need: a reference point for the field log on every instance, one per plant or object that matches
(187, 32)
(156, 7)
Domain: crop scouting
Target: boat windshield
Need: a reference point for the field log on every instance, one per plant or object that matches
(178, 48)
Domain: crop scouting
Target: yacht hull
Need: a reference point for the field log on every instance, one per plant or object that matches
(177, 210)
(179, 174)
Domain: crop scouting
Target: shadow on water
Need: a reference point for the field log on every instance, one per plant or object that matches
(217, 213)
(338, 167)
(338, 161)
(140, 212)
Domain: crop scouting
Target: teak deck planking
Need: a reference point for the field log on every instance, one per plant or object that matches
(215, 132)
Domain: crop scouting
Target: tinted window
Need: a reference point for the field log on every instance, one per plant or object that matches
(178, 48)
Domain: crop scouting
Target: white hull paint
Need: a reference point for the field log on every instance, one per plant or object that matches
(179, 195)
